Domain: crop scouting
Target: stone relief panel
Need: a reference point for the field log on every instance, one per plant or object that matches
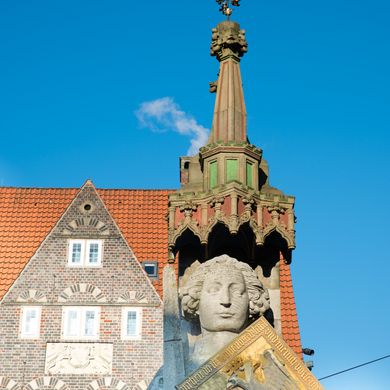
(78, 358)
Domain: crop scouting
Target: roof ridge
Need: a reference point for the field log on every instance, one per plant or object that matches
(39, 188)
(77, 188)
(137, 189)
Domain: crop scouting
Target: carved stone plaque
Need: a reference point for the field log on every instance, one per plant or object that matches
(78, 358)
(257, 359)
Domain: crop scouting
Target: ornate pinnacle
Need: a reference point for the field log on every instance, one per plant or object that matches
(225, 6)
(228, 40)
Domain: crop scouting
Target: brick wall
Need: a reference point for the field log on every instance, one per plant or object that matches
(48, 281)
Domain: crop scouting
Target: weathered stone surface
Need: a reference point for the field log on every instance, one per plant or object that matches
(228, 40)
(225, 295)
(173, 370)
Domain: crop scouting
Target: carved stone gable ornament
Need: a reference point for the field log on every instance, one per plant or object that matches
(75, 225)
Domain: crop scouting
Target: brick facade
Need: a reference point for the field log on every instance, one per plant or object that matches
(47, 281)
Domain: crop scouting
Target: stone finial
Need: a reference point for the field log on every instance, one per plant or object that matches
(228, 40)
(225, 6)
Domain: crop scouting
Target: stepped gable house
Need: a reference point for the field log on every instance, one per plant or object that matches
(81, 269)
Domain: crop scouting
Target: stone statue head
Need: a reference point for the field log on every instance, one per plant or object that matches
(225, 294)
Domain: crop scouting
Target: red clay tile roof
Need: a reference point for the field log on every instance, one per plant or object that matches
(140, 215)
(26, 217)
(28, 214)
(288, 311)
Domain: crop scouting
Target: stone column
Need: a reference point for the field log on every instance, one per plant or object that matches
(174, 370)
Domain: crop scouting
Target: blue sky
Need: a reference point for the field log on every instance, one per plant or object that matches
(317, 88)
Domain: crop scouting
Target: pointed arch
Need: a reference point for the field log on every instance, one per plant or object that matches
(211, 226)
(192, 226)
(287, 237)
(189, 249)
(221, 241)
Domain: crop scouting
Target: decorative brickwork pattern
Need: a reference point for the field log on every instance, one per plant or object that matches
(31, 296)
(108, 382)
(46, 382)
(7, 384)
(48, 281)
(80, 288)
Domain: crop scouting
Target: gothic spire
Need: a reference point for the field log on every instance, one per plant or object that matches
(229, 122)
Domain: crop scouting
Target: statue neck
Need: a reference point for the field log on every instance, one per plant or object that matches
(210, 343)
(219, 339)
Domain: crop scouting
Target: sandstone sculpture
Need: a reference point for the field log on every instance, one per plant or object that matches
(225, 296)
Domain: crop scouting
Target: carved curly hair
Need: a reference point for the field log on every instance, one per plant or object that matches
(190, 292)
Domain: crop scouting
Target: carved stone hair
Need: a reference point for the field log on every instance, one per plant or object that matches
(190, 292)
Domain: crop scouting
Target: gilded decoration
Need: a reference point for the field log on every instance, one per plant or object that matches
(256, 359)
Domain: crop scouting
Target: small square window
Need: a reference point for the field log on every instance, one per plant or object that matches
(80, 322)
(31, 322)
(151, 268)
(85, 253)
(131, 323)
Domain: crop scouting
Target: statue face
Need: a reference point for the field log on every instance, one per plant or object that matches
(224, 301)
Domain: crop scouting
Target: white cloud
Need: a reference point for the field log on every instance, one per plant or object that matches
(164, 114)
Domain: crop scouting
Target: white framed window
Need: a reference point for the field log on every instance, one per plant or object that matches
(85, 253)
(131, 323)
(30, 322)
(81, 322)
